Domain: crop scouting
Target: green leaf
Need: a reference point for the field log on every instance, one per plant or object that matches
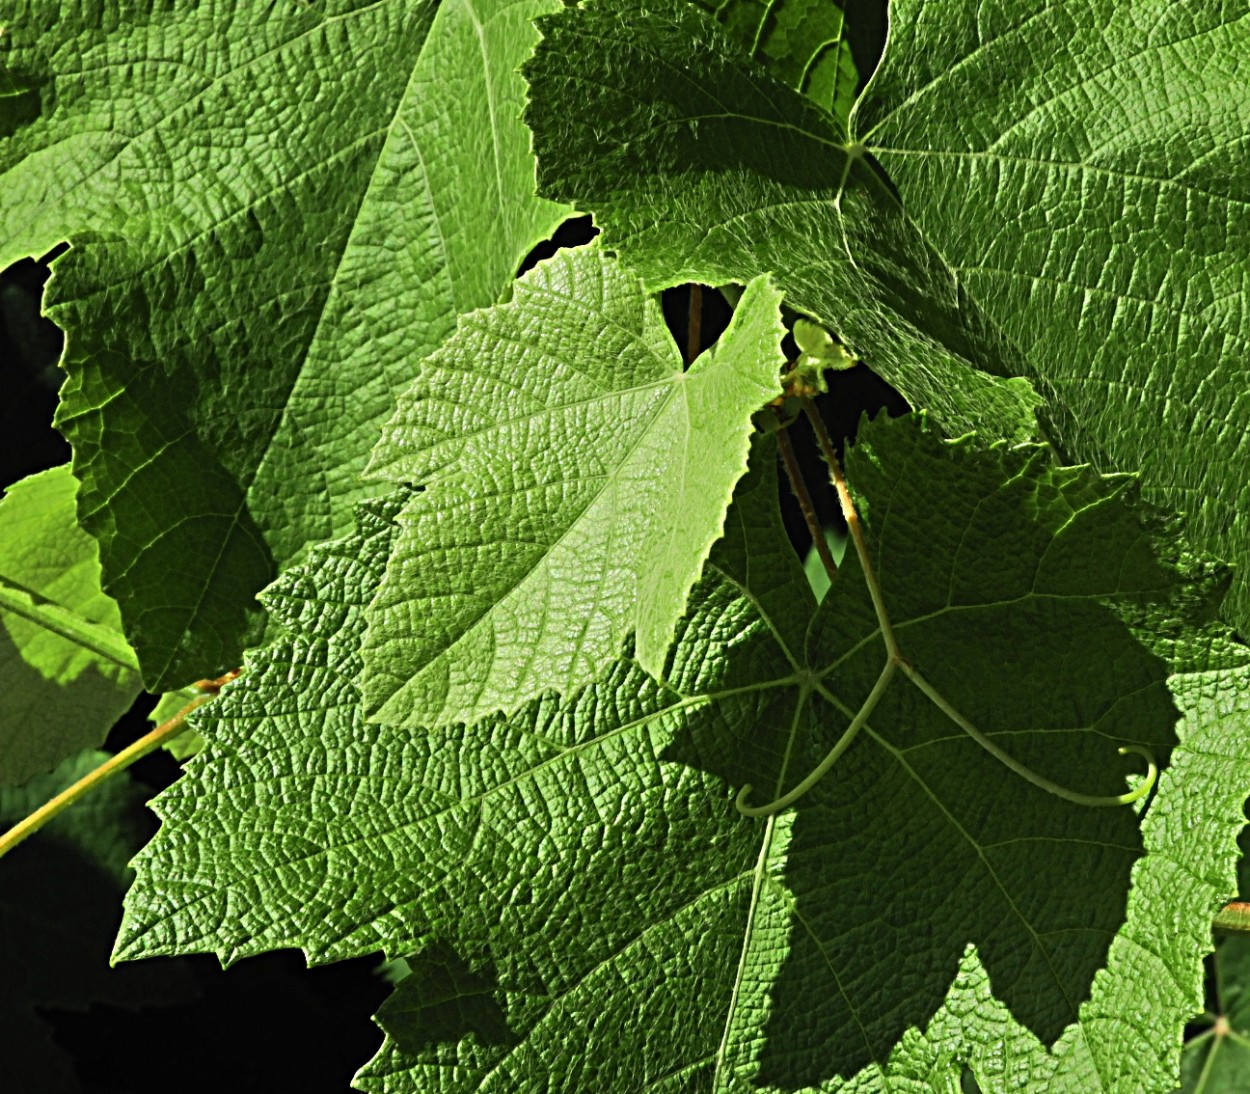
(575, 477)
(66, 672)
(1092, 191)
(802, 42)
(700, 165)
(58, 910)
(586, 904)
(1128, 1039)
(188, 742)
(275, 211)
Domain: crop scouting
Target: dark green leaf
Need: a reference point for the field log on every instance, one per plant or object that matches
(597, 895)
(1085, 170)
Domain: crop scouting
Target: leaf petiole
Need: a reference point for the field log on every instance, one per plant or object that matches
(149, 742)
(795, 474)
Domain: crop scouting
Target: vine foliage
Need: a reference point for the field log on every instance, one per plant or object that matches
(475, 587)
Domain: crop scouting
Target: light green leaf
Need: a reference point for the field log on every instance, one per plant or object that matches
(66, 672)
(584, 901)
(1085, 170)
(275, 211)
(575, 477)
(188, 742)
(700, 165)
(802, 42)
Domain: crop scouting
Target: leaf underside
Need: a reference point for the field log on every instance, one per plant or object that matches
(574, 478)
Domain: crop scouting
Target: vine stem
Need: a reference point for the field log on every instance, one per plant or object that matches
(1028, 774)
(149, 742)
(1233, 918)
(694, 323)
(795, 474)
(851, 515)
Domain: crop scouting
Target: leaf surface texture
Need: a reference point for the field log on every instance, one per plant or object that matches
(1092, 192)
(701, 165)
(575, 476)
(583, 857)
(275, 212)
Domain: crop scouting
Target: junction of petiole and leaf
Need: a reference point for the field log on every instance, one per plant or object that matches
(895, 661)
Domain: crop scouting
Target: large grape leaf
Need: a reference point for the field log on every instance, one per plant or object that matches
(66, 672)
(276, 210)
(700, 164)
(575, 477)
(587, 908)
(1085, 169)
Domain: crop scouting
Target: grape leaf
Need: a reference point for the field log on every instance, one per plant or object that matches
(802, 42)
(275, 211)
(700, 165)
(58, 910)
(575, 478)
(583, 900)
(66, 672)
(1092, 191)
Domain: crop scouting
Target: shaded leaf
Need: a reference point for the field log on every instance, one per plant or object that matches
(802, 42)
(583, 860)
(1092, 192)
(700, 165)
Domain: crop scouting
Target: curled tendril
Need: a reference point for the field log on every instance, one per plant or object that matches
(818, 772)
(1136, 794)
(1094, 800)
(1006, 759)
